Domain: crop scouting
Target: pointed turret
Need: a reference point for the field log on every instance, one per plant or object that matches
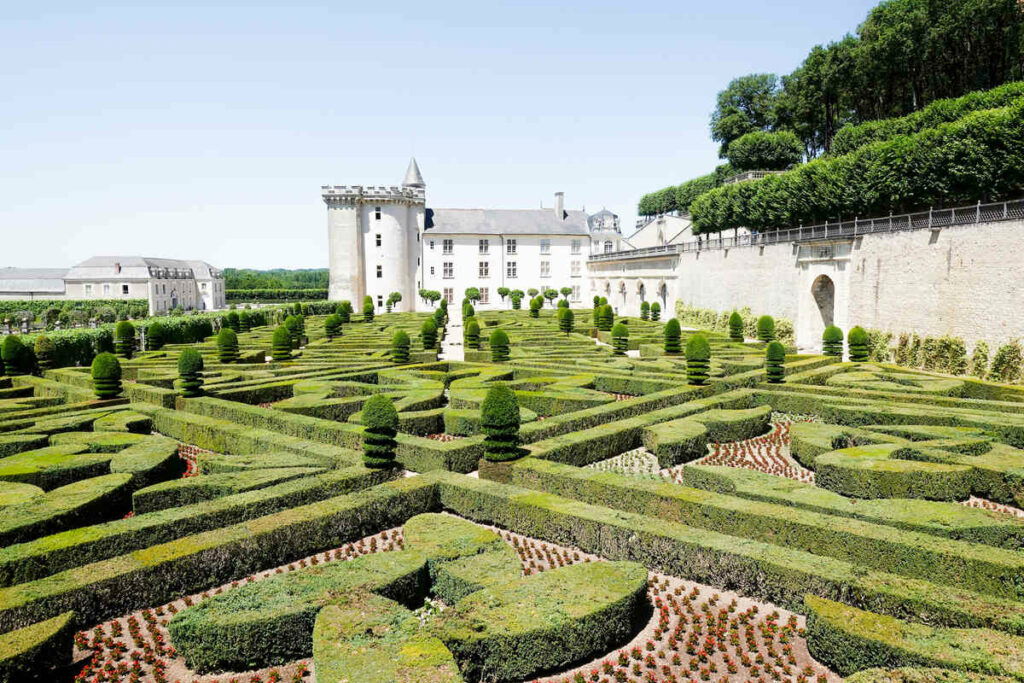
(412, 175)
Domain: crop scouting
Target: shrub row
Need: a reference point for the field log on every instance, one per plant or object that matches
(275, 294)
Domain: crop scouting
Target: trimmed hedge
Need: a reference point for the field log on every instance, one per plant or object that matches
(78, 504)
(698, 360)
(33, 652)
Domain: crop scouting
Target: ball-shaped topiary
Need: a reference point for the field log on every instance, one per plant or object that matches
(156, 336)
(765, 328)
(344, 310)
(698, 360)
(106, 376)
(471, 334)
(400, 347)
(655, 311)
(227, 345)
(673, 347)
(244, 321)
(832, 341)
(645, 310)
(620, 339)
(380, 420)
(517, 303)
(124, 339)
(775, 362)
(233, 321)
(281, 344)
(368, 310)
(190, 373)
(468, 311)
(16, 357)
(428, 333)
(605, 318)
(332, 326)
(563, 303)
(736, 327)
(44, 349)
(499, 422)
(857, 345)
(499, 346)
(566, 319)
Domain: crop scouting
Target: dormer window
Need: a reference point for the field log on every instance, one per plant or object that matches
(376, 213)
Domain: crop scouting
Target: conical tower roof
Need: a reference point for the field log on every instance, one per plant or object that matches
(413, 178)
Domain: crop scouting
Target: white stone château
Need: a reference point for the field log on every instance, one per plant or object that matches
(384, 239)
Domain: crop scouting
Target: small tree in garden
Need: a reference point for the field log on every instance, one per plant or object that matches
(765, 328)
(832, 341)
(736, 327)
(979, 360)
(655, 311)
(605, 318)
(503, 292)
(698, 360)
(517, 302)
(535, 304)
(15, 355)
(332, 326)
(190, 373)
(244, 321)
(551, 295)
(297, 308)
(562, 303)
(471, 334)
(428, 333)
(44, 352)
(124, 339)
(233, 321)
(673, 347)
(857, 345)
(499, 422)
(156, 336)
(645, 310)
(774, 362)
(468, 311)
(281, 344)
(565, 320)
(380, 420)
(106, 376)
(400, 347)
(1007, 363)
(566, 293)
(473, 294)
(597, 301)
(368, 311)
(344, 311)
(499, 346)
(620, 339)
(532, 292)
(227, 345)
(393, 299)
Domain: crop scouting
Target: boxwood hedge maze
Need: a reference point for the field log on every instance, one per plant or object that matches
(579, 512)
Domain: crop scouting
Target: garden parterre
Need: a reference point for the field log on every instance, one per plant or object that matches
(174, 535)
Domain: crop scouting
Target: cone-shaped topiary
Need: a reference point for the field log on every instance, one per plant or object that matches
(832, 341)
(499, 422)
(15, 355)
(124, 339)
(468, 311)
(698, 360)
(563, 303)
(106, 376)
(499, 346)
(233, 321)
(344, 310)
(281, 344)
(535, 305)
(655, 311)
(296, 326)
(471, 334)
(566, 319)
(190, 373)
(672, 334)
(227, 345)
(440, 315)
(620, 339)
(400, 347)
(156, 336)
(428, 333)
(645, 310)
(765, 328)
(368, 311)
(775, 362)
(736, 327)
(332, 326)
(605, 318)
(244, 321)
(44, 352)
(380, 420)
(857, 345)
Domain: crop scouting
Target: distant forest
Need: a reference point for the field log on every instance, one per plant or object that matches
(278, 278)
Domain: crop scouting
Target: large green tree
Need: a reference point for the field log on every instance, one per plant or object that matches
(746, 105)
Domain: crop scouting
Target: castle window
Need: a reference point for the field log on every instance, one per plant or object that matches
(545, 268)
(449, 270)
(380, 271)
(380, 301)
(575, 268)
(485, 246)
(431, 270)
(376, 213)
(576, 246)
(106, 288)
(608, 247)
(378, 239)
(431, 245)
(88, 290)
(575, 292)
(545, 246)
(446, 246)
(510, 247)
(124, 290)
(510, 270)
(449, 294)
(485, 295)
(485, 269)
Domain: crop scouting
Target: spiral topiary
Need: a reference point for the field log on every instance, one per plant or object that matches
(44, 352)
(471, 334)
(499, 422)
(605, 318)
(774, 362)
(428, 333)
(698, 360)
(156, 336)
(124, 339)
(499, 346)
(620, 339)
(106, 376)
(535, 306)
(566, 319)
(736, 327)
(765, 328)
(832, 341)
(332, 326)
(16, 357)
(368, 311)
(233, 321)
(227, 345)
(380, 420)
(857, 345)
(655, 311)
(190, 373)
(244, 321)
(400, 347)
(673, 347)
(344, 310)
(645, 310)
(281, 344)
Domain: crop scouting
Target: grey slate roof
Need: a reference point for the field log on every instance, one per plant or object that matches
(40, 280)
(504, 222)
(413, 178)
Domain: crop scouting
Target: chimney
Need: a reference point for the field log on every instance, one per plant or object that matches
(560, 205)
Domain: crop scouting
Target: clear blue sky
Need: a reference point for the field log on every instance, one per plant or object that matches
(205, 130)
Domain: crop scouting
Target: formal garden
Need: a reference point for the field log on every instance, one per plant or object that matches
(324, 497)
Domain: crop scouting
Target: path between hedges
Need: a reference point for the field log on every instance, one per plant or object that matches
(451, 345)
